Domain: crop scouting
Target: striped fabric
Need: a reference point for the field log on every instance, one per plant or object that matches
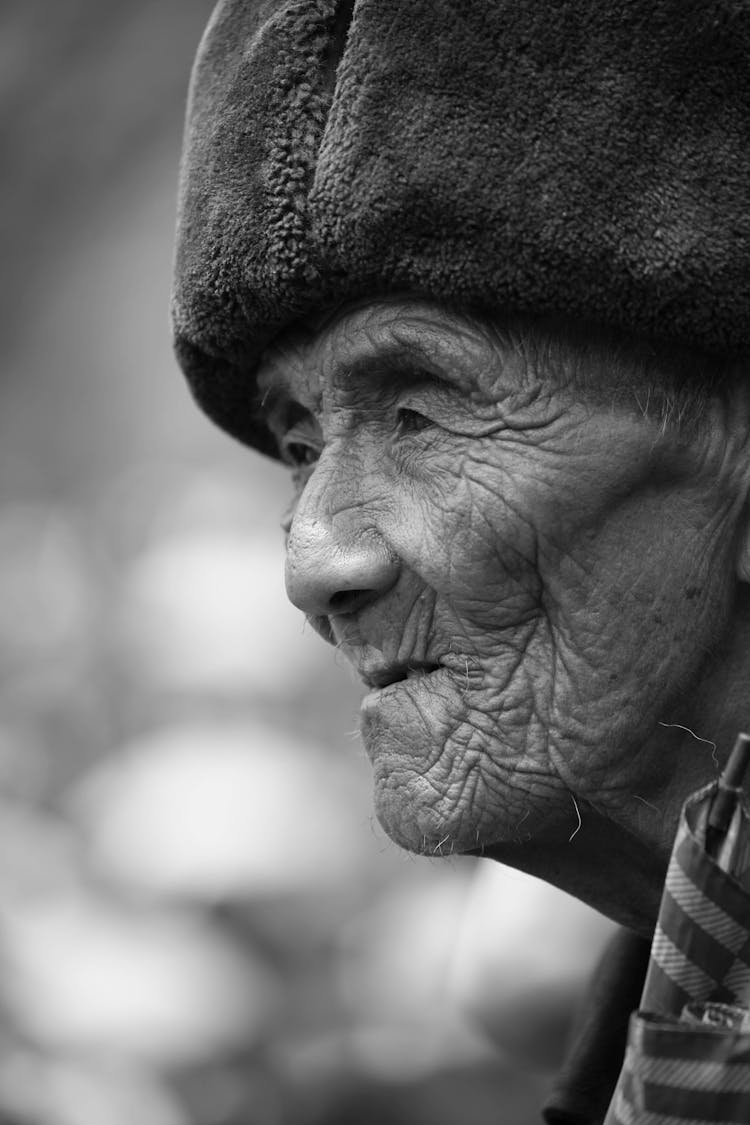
(701, 946)
(678, 1074)
(688, 1055)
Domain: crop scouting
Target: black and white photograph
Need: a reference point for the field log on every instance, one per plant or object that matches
(375, 562)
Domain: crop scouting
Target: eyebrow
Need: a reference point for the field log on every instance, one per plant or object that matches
(395, 363)
(398, 362)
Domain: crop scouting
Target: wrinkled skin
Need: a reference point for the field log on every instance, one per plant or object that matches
(560, 574)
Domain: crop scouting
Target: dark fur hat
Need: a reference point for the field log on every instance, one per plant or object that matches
(585, 159)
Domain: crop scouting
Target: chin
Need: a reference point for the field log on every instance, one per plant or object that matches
(436, 792)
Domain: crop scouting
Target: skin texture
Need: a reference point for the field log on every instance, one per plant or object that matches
(560, 570)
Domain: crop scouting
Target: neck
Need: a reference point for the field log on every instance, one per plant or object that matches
(603, 865)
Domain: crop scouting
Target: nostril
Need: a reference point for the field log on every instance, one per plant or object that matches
(349, 601)
(335, 571)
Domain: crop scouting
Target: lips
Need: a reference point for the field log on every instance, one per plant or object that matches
(380, 676)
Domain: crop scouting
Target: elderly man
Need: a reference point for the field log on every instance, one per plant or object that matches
(479, 273)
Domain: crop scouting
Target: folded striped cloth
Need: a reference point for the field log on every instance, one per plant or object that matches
(688, 1052)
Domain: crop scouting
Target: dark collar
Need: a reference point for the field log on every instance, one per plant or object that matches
(586, 1083)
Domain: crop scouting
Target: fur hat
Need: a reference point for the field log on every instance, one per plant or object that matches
(568, 158)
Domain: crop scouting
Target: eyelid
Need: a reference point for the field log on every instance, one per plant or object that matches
(447, 410)
(305, 431)
(431, 399)
(410, 420)
(308, 438)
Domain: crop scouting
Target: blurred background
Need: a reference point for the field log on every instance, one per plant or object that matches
(200, 921)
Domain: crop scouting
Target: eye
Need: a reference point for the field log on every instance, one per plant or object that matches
(301, 454)
(411, 421)
(301, 443)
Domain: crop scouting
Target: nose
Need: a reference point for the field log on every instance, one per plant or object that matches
(335, 564)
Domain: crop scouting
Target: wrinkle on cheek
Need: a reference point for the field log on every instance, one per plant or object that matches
(478, 503)
(415, 637)
(618, 669)
(471, 768)
(504, 538)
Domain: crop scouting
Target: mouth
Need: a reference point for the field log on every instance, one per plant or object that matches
(383, 676)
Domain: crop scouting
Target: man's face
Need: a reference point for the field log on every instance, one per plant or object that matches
(526, 575)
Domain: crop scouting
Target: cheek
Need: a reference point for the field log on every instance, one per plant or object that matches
(484, 510)
(642, 566)
(472, 538)
(633, 608)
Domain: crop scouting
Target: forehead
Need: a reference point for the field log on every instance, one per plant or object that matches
(370, 338)
(364, 348)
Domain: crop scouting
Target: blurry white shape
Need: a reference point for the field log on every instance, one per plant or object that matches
(522, 944)
(466, 948)
(394, 975)
(398, 953)
(85, 974)
(45, 587)
(518, 931)
(225, 811)
(207, 610)
(63, 1091)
